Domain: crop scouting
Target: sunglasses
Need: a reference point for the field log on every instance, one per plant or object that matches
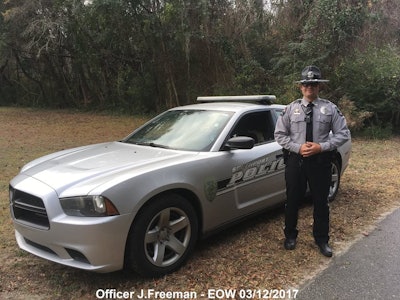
(313, 84)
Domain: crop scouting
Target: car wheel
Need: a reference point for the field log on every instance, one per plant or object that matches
(335, 182)
(162, 236)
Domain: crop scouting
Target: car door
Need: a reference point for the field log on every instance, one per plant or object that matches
(256, 180)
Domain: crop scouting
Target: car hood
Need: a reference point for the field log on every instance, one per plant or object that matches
(90, 166)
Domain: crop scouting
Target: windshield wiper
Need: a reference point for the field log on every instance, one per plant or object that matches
(151, 144)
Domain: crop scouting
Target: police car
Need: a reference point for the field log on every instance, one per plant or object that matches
(142, 202)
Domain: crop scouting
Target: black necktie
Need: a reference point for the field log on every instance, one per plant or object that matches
(308, 119)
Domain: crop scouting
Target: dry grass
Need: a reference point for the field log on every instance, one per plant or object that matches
(249, 255)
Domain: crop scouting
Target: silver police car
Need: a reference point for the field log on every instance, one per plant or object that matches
(142, 202)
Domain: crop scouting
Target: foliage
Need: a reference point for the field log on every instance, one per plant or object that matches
(355, 118)
(323, 31)
(377, 132)
(372, 79)
(140, 56)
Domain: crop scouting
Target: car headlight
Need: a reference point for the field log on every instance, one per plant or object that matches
(88, 206)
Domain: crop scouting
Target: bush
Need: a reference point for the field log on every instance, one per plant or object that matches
(355, 118)
(377, 132)
(372, 79)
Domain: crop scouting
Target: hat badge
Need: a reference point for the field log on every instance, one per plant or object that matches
(310, 74)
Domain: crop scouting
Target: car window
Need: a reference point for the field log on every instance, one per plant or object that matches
(278, 112)
(193, 130)
(257, 125)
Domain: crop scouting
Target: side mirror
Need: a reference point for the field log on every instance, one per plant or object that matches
(240, 142)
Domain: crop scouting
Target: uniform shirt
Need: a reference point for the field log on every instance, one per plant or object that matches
(290, 130)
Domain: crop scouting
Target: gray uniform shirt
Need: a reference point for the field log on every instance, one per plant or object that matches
(290, 130)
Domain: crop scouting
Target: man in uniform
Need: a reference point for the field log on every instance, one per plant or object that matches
(303, 131)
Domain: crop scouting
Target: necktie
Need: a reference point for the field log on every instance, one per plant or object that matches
(309, 122)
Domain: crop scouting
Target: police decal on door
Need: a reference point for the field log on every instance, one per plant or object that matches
(256, 169)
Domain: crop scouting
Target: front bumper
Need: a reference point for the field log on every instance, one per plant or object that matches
(89, 243)
(96, 247)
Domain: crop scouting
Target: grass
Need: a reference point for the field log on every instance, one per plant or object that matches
(249, 255)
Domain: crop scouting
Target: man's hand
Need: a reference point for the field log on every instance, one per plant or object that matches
(309, 149)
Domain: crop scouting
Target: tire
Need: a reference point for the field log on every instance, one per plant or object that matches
(335, 182)
(162, 236)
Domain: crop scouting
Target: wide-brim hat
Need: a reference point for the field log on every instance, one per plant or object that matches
(311, 74)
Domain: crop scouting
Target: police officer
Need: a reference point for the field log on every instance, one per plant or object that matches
(303, 132)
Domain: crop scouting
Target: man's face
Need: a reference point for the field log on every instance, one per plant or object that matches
(310, 90)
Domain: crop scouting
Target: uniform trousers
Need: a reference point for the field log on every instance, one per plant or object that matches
(316, 171)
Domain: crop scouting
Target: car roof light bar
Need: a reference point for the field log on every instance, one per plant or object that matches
(263, 99)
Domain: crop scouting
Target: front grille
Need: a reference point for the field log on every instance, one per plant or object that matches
(28, 209)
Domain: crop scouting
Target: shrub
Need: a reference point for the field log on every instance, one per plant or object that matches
(377, 132)
(355, 118)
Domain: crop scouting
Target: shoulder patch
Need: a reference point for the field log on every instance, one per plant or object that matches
(339, 112)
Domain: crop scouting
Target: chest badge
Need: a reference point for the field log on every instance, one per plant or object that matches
(296, 111)
(324, 110)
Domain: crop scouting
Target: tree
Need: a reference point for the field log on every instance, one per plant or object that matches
(379, 71)
(141, 56)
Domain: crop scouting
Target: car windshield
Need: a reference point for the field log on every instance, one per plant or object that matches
(193, 130)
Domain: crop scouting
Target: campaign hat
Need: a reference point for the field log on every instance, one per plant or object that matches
(311, 74)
